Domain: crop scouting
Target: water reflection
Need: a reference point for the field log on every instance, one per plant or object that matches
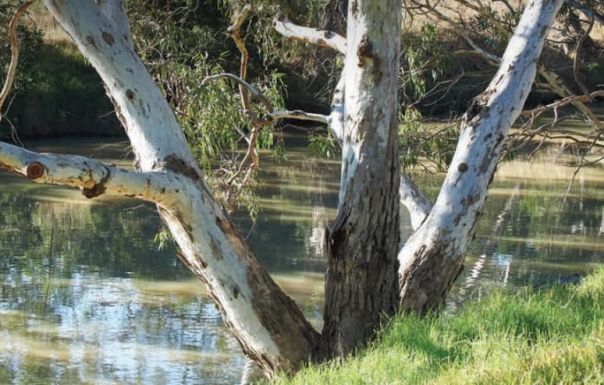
(86, 296)
(528, 236)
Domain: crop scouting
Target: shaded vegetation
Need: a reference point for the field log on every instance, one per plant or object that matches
(555, 336)
(182, 42)
(63, 96)
(56, 91)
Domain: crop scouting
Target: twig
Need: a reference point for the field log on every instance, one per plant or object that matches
(250, 87)
(572, 180)
(577, 58)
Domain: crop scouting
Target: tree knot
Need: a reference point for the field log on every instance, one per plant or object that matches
(365, 51)
(99, 187)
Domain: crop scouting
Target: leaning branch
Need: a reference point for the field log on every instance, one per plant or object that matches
(414, 200)
(268, 325)
(433, 256)
(250, 87)
(299, 115)
(91, 176)
(311, 35)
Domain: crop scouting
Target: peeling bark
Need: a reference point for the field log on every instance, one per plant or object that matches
(411, 196)
(362, 241)
(433, 256)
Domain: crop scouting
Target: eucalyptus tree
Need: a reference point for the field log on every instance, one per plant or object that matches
(369, 277)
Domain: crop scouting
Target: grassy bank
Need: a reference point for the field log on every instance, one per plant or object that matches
(553, 336)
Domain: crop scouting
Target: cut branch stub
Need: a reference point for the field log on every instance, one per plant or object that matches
(35, 170)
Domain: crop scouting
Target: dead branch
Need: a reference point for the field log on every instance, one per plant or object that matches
(553, 82)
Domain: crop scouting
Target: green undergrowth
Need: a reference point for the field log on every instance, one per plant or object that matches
(549, 336)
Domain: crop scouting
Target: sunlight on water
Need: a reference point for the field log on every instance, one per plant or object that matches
(86, 297)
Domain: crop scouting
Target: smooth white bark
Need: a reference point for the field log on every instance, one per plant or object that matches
(299, 115)
(269, 326)
(311, 35)
(433, 255)
(411, 196)
(91, 176)
(414, 200)
(148, 119)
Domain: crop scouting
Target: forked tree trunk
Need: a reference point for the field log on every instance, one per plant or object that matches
(266, 322)
(361, 285)
(433, 256)
(362, 242)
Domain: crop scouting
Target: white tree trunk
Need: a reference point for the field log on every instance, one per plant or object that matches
(267, 323)
(362, 241)
(411, 196)
(433, 256)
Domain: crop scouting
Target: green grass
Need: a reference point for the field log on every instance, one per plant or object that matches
(554, 336)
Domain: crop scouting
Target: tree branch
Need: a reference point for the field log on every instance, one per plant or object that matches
(273, 115)
(250, 87)
(410, 195)
(433, 256)
(91, 176)
(311, 35)
(14, 52)
(414, 200)
(268, 325)
(564, 102)
(299, 115)
(554, 83)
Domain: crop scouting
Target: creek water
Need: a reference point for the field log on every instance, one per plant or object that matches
(86, 296)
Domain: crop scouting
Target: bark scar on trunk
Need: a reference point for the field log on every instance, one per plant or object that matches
(108, 38)
(176, 164)
(478, 109)
(365, 51)
(98, 188)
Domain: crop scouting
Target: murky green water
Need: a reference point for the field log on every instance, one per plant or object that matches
(86, 296)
